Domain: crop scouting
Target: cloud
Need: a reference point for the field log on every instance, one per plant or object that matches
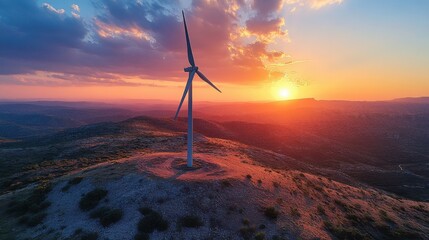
(316, 4)
(75, 7)
(141, 40)
(75, 15)
(50, 8)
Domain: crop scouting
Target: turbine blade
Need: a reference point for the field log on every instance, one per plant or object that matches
(188, 43)
(207, 81)
(185, 92)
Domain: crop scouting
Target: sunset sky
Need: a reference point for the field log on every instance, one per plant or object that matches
(259, 50)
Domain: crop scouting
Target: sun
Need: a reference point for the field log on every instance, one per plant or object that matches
(283, 93)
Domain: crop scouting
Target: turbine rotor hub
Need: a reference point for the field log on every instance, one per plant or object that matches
(190, 69)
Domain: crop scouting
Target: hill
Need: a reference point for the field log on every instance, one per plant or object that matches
(119, 180)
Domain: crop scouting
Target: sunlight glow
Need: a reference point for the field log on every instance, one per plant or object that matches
(283, 93)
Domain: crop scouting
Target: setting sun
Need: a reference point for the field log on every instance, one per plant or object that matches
(283, 93)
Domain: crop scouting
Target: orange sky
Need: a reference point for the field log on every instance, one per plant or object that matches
(253, 50)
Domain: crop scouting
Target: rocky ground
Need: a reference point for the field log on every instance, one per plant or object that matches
(229, 194)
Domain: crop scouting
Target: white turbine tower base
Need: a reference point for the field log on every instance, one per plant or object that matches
(188, 91)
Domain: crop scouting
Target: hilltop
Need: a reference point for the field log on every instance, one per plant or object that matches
(236, 191)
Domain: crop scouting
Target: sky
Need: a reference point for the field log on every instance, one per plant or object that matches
(253, 50)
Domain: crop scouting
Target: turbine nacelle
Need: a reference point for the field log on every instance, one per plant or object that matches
(191, 69)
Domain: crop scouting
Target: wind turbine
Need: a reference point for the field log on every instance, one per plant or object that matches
(188, 90)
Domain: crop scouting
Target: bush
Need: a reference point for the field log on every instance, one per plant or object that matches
(145, 210)
(344, 233)
(271, 213)
(248, 176)
(321, 210)
(226, 183)
(33, 220)
(107, 215)
(247, 232)
(152, 221)
(31, 209)
(141, 236)
(245, 221)
(71, 182)
(91, 199)
(295, 212)
(89, 236)
(384, 216)
(191, 221)
(75, 180)
(260, 236)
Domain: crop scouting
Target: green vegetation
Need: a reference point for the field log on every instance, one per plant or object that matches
(31, 210)
(226, 183)
(91, 199)
(151, 221)
(71, 182)
(341, 232)
(190, 221)
(260, 236)
(321, 210)
(245, 221)
(295, 212)
(107, 216)
(397, 233)
(271, 213)
(141, 236)
(89, 236)
(247, 231)
(33, 220)
(145, 210)
(385, 217)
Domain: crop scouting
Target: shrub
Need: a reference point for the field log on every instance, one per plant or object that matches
(107, 215)
(31, 209)
(247, 232)
(191, 221)
(91, 199)
(141, 236)
(152, 221)
(276, 184)
(295, 212)
(271, 213)
(89, 236)
(260, 236)
(404, 234)
(248, 176)
(245, 221)
(145, 210)
(321, 210)
(75, 180)
(71, 182)
(368, 218)
(226, 183)
(33, 220)
(384, 216)
(344, 233)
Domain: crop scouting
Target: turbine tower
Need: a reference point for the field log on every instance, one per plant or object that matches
(188, 90)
